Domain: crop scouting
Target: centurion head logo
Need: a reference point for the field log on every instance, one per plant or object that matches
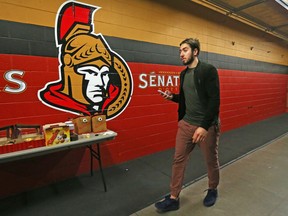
(92, 78)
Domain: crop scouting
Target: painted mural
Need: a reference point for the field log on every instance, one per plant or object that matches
(92, 78)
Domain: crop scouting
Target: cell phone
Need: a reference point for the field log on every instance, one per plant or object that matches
(163, 93)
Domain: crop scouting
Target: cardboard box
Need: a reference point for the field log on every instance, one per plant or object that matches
(82, 124)
(99, 123)
(56, 134)
(19, 146)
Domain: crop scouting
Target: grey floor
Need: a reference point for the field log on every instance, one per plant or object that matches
(252, 172)
(255, 185)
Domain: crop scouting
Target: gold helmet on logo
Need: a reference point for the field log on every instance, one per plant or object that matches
(80, 50)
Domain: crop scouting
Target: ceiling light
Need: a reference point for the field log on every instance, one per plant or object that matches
(283, 3)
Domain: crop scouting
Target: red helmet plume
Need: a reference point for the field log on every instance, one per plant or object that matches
(70, 15)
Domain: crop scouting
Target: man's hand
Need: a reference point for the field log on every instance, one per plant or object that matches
(199, 135)
(167, 94)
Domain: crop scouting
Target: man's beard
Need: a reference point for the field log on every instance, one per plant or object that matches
(190, 60)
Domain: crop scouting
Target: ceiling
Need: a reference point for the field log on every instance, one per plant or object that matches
(266, 15)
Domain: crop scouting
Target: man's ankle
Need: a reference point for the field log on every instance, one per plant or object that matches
(173, 197)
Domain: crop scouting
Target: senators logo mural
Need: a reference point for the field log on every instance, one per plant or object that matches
(92, 77)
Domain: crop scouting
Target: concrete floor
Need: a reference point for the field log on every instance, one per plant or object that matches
(253, 181)
(254, 185)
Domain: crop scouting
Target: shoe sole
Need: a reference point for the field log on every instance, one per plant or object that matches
(209, 205)
(166, 210)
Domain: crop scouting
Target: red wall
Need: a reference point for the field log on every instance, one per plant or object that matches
(148, 124)
(247, 97)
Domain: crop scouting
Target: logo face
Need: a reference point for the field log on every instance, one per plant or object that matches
(92, 77)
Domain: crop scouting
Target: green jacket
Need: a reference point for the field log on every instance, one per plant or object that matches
(207, 85)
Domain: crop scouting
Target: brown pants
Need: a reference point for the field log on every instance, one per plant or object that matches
(183, 149)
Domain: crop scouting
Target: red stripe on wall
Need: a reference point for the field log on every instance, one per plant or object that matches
(247, 97)
(148, 124)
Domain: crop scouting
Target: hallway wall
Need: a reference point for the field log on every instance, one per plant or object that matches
(146, 34)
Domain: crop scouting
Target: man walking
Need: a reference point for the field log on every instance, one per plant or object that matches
(198, 114)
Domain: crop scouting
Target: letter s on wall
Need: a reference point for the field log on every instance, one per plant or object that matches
(142, 79)
(9, 76)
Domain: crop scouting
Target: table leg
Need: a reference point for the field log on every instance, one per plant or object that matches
(91, 160)
(97, 155)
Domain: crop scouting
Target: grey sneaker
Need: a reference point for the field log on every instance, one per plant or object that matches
(167, 204)
(210, 198)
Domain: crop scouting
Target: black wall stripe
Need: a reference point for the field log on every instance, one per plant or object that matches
(28, 39)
